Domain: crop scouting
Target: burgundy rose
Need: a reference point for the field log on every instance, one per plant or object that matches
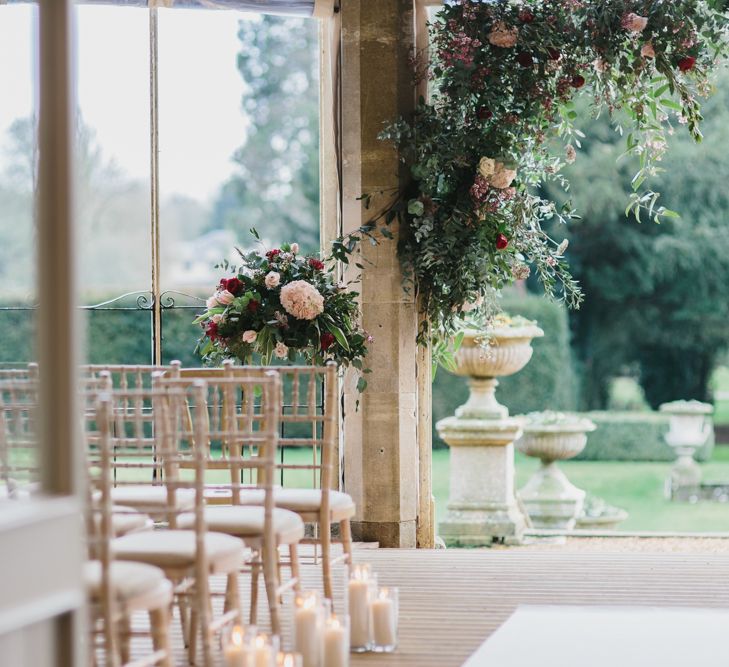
(578, 81)
(501, 241)
(686, 63)
(316, 264)
(271, 254)
(525, 16)
(211, 331)
(484, 113)
(327, 340)
(553, 54)
(233, 285)
(254, 305)
(525, 59)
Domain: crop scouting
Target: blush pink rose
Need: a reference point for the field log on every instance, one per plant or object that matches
(503, 36)
(249, 336)
(224, 297)
(272, 280)
(633, 22)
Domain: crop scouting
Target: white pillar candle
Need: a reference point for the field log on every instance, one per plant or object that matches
(289, 660)
(236, 652)
(384, 619)
(263, 652)
(336, 643)
(358, 597)
(308, 619)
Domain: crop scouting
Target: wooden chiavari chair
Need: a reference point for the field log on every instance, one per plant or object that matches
(115, 589)
(309, 420)
(234, 447)
(148, 435)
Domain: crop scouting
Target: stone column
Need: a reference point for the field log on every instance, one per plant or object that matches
(380, 437)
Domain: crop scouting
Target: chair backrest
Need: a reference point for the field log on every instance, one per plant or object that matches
(240, 418)
(19, 468)
(124, 376)
(309, 414)
(17, 373)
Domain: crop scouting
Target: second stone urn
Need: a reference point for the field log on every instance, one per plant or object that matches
(550, 499)
(482, 504)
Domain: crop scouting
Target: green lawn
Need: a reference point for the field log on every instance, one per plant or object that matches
(635, 487)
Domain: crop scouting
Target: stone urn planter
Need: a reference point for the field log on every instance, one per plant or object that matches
(484, 356)
(482, 504)
(597, 515)
(550, 499)
(689, 428)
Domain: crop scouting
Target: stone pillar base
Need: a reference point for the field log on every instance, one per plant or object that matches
(482, 506)
(389, 534)
(477, 527)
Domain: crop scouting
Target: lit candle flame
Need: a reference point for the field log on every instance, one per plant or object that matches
(236, 636)
(261, 640)
(384, 593)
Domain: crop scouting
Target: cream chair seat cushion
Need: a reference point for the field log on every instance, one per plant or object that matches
(247, 522)
(149, 498)
(301, 501)
(130, 582)
(126, 520)
(175, 549)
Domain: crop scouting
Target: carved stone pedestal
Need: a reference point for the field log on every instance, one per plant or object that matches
(482, 506)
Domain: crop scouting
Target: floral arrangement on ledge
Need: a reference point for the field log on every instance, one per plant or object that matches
(278, 304)
(502, 77)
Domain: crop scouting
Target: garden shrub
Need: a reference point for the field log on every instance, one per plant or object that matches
(548, 381)
(633, 436)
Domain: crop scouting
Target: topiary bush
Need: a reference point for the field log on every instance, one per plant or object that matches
(548, 381)
(633, 436)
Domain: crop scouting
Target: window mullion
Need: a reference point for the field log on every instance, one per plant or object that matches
(154, 189)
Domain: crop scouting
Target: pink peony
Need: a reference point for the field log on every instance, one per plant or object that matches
(272, 280)
(503, 36)
(281, 350)
(647, 50)
(633, 22)
(502, 177)
(224, 297)
(249, 336)
(302, 300)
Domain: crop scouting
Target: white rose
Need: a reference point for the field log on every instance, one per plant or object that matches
(272, 280)
(486, 167)
(281, 351)
(249, 336)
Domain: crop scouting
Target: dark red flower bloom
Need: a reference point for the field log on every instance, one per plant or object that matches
(553, 54)
(686, 63)
(211, 331)
(578, 81)
(254, 305)
(272, 253)
(484, 114)
(501, 241)
(316, 264)
(525, 59)
(233, 285)
(327, 340)
(525, 16)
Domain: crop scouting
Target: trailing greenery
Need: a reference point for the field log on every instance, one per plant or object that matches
(503, 76)
(548, 381)
(633, 436)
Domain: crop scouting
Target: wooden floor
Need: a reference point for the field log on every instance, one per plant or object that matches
(451, 601)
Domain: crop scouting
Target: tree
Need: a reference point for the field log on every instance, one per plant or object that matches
(276, 188)
(656, 296)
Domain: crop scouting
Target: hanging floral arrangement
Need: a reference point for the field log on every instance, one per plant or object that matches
(278, 304)
(502, 78)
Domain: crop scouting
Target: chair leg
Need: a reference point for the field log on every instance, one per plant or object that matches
(253, 614)
(124, 639)
(184, 610)
(160, 628)
(326, 562)
(345, 530)
(271, 581)
(294, 564)
(192, 628)
(232, 596)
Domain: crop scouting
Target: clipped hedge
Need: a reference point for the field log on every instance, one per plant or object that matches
(548, 382)
(633, 436)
